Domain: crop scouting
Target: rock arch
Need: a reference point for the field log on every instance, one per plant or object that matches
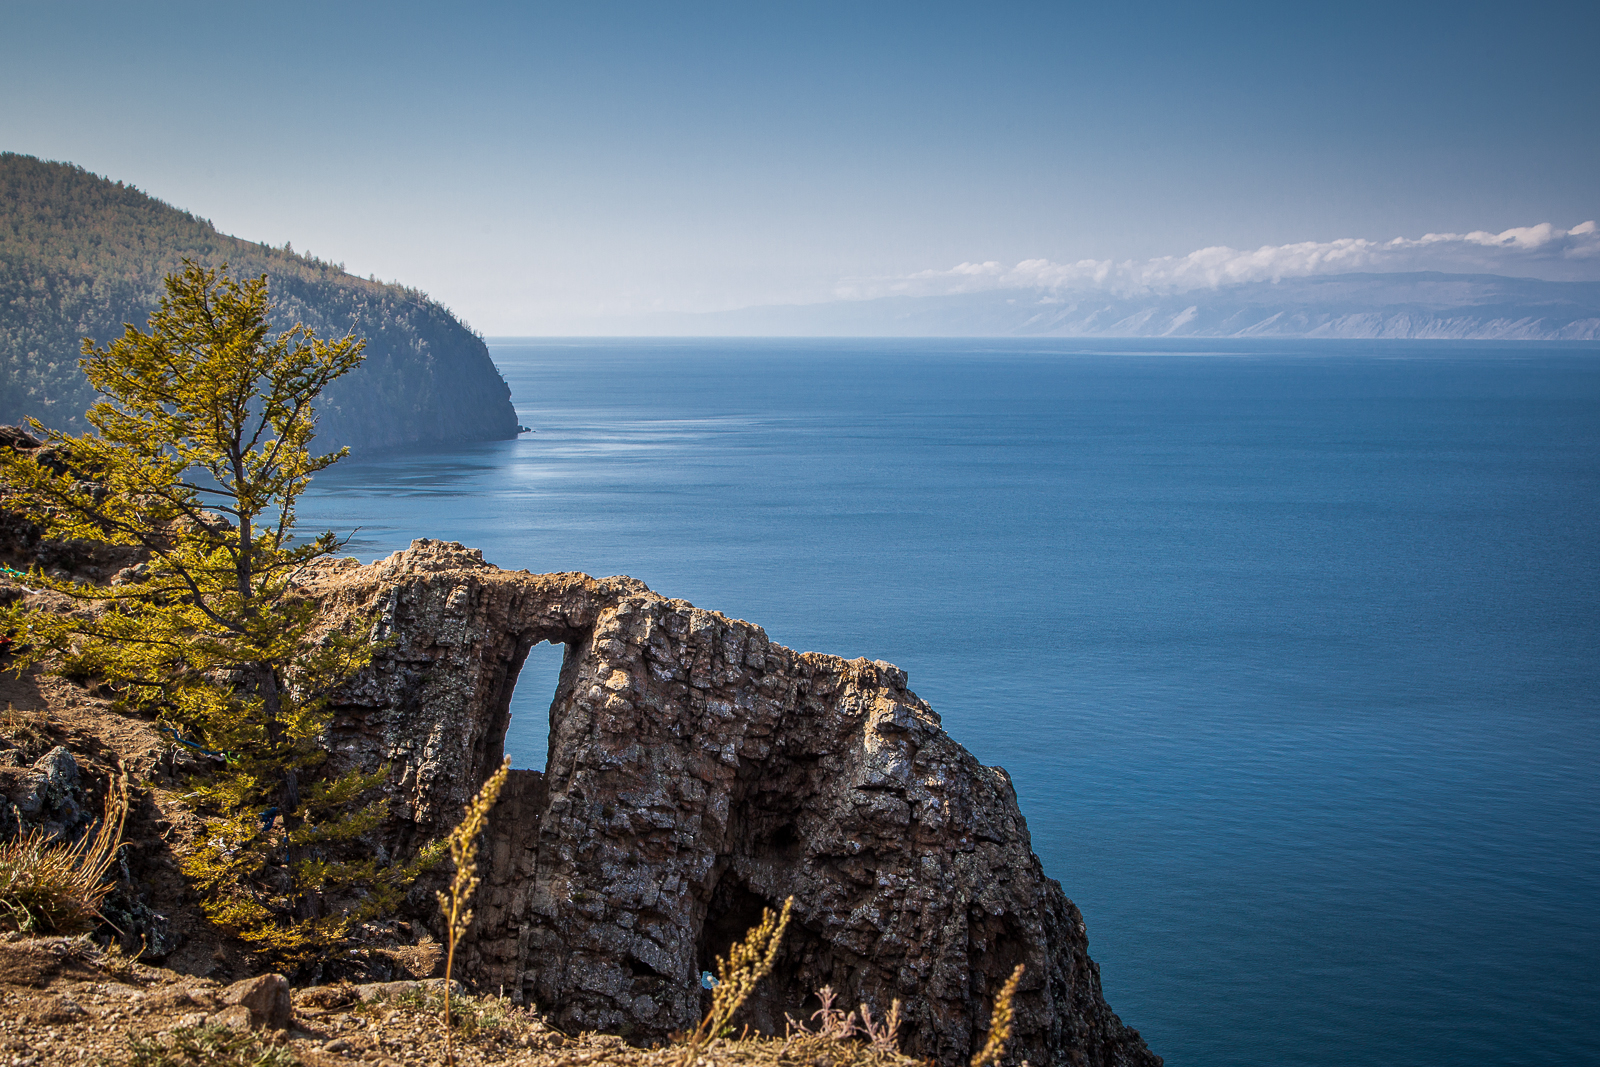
(698, 772)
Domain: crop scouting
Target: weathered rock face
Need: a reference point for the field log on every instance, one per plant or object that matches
(48, 796)
(698, 773)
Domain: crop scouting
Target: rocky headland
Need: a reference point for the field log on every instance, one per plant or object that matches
(697, 773)
(80, 255)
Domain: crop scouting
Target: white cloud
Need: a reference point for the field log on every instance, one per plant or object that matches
(1541, 251)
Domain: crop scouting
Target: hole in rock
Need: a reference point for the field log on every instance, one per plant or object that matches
(733, 911)
(641, 969)
(785, 843)
(528, 733)
(804, 963)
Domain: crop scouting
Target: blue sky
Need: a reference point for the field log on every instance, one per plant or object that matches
(535, 166)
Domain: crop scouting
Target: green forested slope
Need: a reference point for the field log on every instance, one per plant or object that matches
(80, 255)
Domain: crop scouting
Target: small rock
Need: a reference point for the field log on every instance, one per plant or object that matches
(338, 1044)
(383, 990)
(265, 997)
(235, 1017)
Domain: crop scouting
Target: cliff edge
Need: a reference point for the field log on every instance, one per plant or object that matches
(697, 773)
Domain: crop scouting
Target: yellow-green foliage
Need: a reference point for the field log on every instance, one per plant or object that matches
(234, 860)
(463, 844)
(52, 887)
(748, 962)
(200, 448)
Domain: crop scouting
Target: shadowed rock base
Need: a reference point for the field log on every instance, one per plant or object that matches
(697, 774)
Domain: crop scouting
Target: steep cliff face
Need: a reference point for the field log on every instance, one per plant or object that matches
(697, 773)
(81, 255)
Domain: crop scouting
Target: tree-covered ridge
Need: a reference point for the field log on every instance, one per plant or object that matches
(81, 255)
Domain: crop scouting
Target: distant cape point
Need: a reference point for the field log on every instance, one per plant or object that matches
(80, 255)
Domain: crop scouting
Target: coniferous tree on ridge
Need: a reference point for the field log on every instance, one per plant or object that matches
(199, 449)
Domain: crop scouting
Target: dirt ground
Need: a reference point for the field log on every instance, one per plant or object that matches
(66, 1001)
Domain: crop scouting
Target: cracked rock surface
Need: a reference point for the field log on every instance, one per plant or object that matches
(698, 773)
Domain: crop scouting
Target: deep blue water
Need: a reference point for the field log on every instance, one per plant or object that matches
(1292, 648)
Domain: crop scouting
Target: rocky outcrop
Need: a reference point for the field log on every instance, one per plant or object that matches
(698, 773)
(48, 796)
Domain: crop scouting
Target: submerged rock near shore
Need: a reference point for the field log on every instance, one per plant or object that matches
(698, 773)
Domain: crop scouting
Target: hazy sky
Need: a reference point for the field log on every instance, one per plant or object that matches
(533, 165)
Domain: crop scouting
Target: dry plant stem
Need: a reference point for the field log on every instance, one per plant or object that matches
(836, 1025)
(747, 963)
(882, 1035)
(999, 1023)
(464, 851)
(58, 888)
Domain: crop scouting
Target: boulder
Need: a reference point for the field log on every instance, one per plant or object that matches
(49, 795)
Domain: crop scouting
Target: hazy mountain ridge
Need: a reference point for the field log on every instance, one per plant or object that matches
(80, 255)
(1419, 305)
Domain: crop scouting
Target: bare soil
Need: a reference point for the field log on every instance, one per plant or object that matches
(65, 1001)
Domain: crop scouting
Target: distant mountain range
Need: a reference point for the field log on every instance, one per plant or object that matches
(80, 255)
(1400, 305)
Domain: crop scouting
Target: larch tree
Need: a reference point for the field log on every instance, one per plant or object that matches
(200, 447)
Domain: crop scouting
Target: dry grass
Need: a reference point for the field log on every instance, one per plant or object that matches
(27, 731)
(48, 887)
(999, 1023)
(206, 1046)
(748, 962)
(464, 851)
(57, 1006)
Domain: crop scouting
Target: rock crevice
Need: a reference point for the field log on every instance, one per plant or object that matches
(698, 772)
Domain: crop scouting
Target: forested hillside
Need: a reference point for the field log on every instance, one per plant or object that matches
(81, 255)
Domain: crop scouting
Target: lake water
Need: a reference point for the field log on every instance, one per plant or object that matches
(1292, 648)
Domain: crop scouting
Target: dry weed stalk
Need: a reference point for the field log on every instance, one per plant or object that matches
(51, 887)
(882, 1035)
(832, 1024)
(28, 731)
(747, 963)
(836, 1025)
(999, 1023)
(464, 851)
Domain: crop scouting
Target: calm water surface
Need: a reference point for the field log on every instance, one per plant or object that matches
(1292, 649)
